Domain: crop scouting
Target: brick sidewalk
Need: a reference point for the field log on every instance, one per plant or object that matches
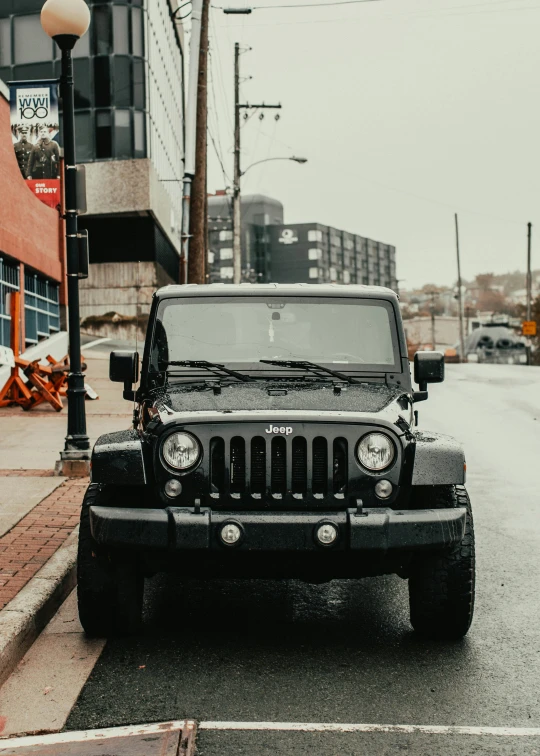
(35, 538)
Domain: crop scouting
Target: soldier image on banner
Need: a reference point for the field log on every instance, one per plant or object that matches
(34, 129)
(44, 157)
(23, 147)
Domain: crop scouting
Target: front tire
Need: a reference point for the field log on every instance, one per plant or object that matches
(109, 592)
(441, 585)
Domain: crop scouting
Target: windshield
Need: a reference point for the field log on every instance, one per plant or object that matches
(242, 330)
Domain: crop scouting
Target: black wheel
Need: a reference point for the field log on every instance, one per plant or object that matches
(441, 585)
(109, 592)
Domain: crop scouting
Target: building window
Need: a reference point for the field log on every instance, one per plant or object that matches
(211, 257)
(31, 43)
(313, 272)
(225, 235)
(315, 254)
(140, 137)
(226, 273)
(226, 253)
(5, 42)
(41, 308)
(138, 84)
(315, 235)
(333, 274)
(83, 87)
(103, 134)
(137, 46)
(122, 134)
(121, 29)
(122, 81)
(102, 81)
(9, 282)
(83, 129)
(346, 277)
(101, 16)
(81, 49)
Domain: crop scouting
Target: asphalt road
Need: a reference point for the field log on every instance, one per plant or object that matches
(344, 652)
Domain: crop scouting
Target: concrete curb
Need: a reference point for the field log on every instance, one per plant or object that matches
(22, 620)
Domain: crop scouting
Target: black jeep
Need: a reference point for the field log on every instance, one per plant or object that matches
(274, 437)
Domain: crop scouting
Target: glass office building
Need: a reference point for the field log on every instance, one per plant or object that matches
(129, 101)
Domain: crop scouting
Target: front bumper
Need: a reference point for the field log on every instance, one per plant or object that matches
(182, 530)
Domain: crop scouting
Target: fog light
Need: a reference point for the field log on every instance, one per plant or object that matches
(230, 533)
(327, 533)
(173, 488)
(383, 489)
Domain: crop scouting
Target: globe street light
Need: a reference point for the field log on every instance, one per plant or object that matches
(65, 21)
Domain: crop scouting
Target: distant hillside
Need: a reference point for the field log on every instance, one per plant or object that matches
(511, 281)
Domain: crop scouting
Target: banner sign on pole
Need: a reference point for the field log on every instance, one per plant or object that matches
(34, 130)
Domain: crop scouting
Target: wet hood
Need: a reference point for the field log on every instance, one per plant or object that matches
(365, 398)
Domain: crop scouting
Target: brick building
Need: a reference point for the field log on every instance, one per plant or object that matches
(31, 247)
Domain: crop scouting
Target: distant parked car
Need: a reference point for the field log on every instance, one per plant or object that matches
(495, 344)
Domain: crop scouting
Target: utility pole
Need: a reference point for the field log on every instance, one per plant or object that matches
(460, 297)
(529, 277)
(191, 132)
(237, 214)
(199, 198)
(432, 295)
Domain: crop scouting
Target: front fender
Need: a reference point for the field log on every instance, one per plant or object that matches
(117, 459)
(439, 460)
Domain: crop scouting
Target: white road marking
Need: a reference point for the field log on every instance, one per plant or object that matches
(337, 727)
(92, 344)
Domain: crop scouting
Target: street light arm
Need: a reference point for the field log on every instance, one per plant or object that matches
(268, 160)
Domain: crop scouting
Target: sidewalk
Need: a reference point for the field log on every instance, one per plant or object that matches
(27, 546)
(39, 512)
(33, 440)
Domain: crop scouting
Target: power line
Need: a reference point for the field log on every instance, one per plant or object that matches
(303, 5)
(313, 5)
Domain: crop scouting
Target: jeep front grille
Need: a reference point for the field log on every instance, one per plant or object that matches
(279, 467)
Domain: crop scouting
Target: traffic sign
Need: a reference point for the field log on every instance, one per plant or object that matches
(528, 328)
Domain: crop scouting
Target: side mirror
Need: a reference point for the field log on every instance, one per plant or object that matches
(428, 368)
(124, 368)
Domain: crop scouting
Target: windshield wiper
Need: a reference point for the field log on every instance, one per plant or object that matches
(212, 367)
(311, 367)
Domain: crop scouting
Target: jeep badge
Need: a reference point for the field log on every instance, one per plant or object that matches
(286, 430)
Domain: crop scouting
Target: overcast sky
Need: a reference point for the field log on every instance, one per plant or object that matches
(408, 110)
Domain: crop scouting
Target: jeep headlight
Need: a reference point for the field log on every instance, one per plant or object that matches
(181, 450)
(375, 451)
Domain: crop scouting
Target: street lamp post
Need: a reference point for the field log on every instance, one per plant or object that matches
(66, 21)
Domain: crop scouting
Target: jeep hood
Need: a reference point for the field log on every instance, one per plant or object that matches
(367, 398)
